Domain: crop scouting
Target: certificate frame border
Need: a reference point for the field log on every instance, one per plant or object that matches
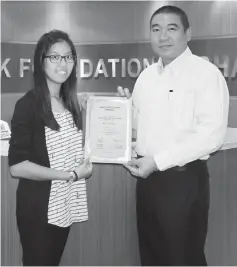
(101, 160)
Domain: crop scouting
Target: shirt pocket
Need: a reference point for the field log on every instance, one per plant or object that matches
(183, 109)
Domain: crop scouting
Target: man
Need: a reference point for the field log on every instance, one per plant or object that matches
(181, 113)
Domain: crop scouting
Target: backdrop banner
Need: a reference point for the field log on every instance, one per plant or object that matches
(102, 67)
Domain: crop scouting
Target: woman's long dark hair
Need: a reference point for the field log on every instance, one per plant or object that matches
(68, 91)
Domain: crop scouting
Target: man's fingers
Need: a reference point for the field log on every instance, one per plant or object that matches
(134, 171)
(133, 163)
(127, 93)
(120, 91)
(123, 92)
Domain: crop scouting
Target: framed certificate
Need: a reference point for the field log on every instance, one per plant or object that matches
(108, 136)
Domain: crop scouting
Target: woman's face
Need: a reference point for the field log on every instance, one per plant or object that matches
(58, 69)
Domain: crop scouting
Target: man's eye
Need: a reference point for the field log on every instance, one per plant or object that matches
(172, 29)
(155, 30)
(69, 56)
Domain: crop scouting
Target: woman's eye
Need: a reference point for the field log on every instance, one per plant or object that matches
(55, 57)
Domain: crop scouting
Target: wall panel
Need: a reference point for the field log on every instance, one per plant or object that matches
(231, 192)
(233, 18)
(11, 251)
(22, 21)
(102, 22)
(209, 18)
(109, 21)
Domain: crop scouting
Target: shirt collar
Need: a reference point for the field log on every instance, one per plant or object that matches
(178, 62)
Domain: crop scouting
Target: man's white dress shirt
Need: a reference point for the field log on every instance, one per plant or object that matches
(181, 110)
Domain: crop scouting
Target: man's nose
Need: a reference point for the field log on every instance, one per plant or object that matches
(163, 35)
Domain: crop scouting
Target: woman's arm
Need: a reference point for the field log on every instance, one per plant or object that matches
(20, 146)
(30, 170)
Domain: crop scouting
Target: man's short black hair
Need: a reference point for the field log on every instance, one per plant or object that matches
(173, 10)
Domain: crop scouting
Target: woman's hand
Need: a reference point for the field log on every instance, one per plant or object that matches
(83, 101)
(84, 170)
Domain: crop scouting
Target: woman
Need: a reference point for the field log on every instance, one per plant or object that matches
(46, 153)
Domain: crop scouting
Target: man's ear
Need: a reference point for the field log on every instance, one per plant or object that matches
(189, 34)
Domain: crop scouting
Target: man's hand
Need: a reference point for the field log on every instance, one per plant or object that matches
(123, 92)
(142, 167)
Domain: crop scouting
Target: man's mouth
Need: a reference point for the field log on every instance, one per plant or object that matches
(164, 46)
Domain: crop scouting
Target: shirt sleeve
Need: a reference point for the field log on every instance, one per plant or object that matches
(135, 101)
(211, 111)
(21, 133)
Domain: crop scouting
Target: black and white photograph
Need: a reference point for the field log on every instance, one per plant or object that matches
(118, 133)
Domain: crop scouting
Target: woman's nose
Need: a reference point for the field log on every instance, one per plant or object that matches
(63, 61)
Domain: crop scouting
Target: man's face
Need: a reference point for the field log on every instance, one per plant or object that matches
(168, 37)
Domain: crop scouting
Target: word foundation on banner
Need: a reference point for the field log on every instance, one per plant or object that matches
(113, 67)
